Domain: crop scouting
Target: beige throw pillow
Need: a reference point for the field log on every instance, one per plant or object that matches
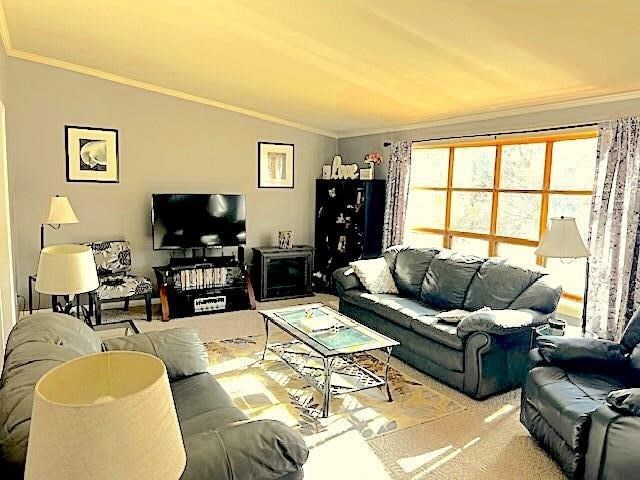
(374, 275)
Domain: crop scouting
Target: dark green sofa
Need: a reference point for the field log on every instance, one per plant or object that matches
(487, 352)
(220, 442)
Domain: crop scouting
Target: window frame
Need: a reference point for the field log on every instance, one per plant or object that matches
(492, 237)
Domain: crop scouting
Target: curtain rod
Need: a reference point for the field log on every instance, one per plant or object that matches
(496, 134)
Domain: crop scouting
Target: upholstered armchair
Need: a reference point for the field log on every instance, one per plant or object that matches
(113, 261)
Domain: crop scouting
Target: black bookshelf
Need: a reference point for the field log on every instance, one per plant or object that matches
(349, 220)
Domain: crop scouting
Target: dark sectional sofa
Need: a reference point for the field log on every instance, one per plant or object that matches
(486, 353)
(580, 401)
(220, 442)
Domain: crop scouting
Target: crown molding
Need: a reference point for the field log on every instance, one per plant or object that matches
(32, 57)
(5, 38)
(495, 114)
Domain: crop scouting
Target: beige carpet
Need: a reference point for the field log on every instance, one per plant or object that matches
(483, 441)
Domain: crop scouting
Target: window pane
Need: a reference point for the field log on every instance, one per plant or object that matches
(421, 240)
(521, 254)
(426, 209)
(519, 215)
(473, 166)
(577, 206)
(522, 166)
(472, 246)
(573, 164)
(471, 211)
(429, 167)
(570, 274)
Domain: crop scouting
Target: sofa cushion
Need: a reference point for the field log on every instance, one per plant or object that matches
(566, 399)
(202, 404)
(399, 310)
(446, 283)
(430, 327)
(498, 283)
(542, 295)
(411, 265)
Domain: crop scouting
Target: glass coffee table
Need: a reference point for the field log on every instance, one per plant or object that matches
(324, 344)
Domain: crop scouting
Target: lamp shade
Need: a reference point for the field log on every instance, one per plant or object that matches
(66, 270)
(60, 212)
(562, 240)
(105, 416)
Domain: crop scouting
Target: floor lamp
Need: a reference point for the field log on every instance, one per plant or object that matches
(563, 240)
(60, 212)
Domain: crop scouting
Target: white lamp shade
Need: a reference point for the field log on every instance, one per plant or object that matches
(60, 212)
(562, 240)
(105, 416)
(66, 270)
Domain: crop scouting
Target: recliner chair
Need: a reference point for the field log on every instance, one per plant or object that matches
(580, 402)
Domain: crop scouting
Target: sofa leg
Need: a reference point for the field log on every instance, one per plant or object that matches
(126, 304)
(147, 305)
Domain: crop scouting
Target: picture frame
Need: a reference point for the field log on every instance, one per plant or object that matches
(92, 154)
(276, 165)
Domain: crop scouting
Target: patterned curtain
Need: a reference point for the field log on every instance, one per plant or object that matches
(614, 233)
(397, 193)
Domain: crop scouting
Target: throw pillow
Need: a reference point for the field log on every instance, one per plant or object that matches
(375, 275)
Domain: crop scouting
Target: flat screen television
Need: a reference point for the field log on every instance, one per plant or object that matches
(181, 221)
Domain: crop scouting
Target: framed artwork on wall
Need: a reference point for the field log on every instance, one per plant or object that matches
(275, 165)
(92, 154)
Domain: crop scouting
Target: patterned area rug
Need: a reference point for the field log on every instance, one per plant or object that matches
(271, 389)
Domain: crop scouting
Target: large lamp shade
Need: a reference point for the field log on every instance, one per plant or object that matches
(562, 240)
(66, 270)
(60, 212)
(105, 416)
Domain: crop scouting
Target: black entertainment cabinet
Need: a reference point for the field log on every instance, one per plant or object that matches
(202, 286)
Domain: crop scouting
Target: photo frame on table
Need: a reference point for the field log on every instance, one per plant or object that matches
(275, 165)
(92, 154)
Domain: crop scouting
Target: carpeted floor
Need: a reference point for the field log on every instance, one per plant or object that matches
(484, 440)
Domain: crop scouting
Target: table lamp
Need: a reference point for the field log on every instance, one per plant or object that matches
(105, 416)
(563, 240)
(66, 270)
(60, 212)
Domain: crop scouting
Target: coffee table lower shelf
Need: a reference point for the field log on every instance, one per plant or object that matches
(318, 371)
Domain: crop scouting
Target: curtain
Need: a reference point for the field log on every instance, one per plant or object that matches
(614, 234)
(397, 193)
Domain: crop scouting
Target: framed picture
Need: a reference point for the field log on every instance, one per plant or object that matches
(275, 165)
(92, 154)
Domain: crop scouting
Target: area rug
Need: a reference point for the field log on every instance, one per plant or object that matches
(271, 389)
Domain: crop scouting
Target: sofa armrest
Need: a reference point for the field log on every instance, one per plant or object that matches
(346, 279)
(626, 401)
(251, 449)
(535, 359)
(585, 353)
(612, 445)
(497, 322)
(179, 348)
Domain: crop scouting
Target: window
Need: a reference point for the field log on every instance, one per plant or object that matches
(496, 198)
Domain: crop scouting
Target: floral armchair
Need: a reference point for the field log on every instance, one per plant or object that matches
(113, 261)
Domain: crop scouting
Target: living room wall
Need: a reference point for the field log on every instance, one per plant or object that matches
(165, 144)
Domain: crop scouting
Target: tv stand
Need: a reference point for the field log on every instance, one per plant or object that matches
(198, 286)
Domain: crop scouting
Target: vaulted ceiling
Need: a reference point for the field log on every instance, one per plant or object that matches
(342, 67)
